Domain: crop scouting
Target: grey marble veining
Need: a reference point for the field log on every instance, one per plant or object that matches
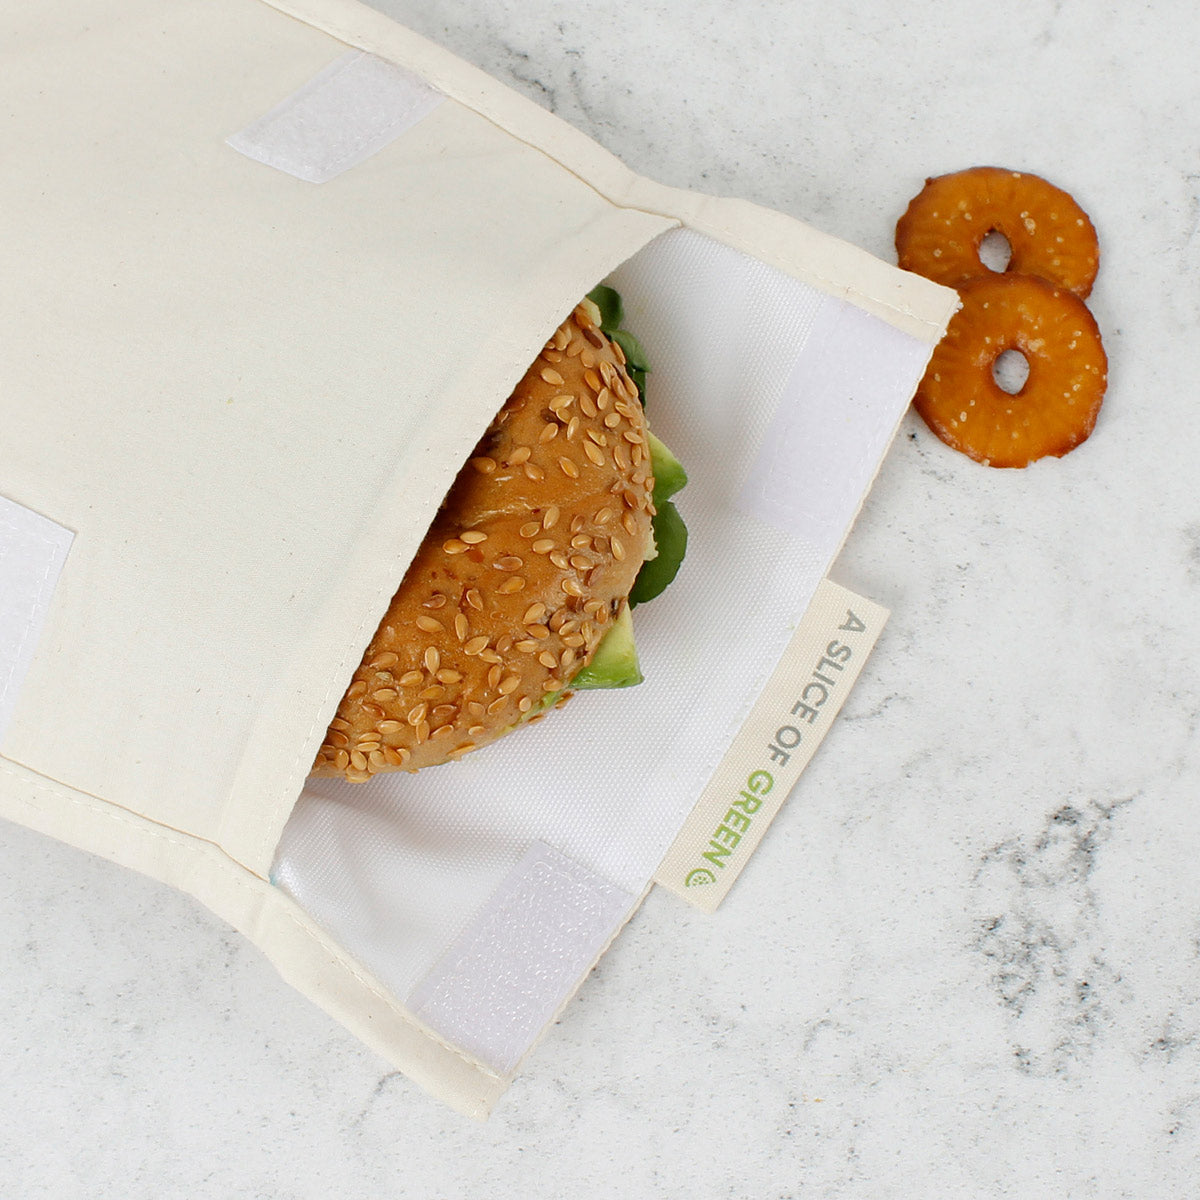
(966, 961)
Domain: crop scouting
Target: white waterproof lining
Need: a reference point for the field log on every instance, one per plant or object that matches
(398, 868)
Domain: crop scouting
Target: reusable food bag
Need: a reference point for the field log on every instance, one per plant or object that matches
(272, 269)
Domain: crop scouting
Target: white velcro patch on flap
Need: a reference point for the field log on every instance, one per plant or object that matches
(32, 552)
(342, 116)
(522, 957)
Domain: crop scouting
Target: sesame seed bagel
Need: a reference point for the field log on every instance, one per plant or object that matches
(530, 557)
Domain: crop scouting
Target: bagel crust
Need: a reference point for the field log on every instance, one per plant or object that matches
(532, 554)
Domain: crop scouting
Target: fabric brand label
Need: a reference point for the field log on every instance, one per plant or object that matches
(32, 552)
(786, 725)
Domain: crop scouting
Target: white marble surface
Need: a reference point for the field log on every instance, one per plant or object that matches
(966, 962)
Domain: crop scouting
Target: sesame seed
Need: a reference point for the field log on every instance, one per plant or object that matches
(483, 464)
(542, 546)
(534, 472)
(422, 734)
(612, 421)
(513, 584)
(588, 406)
(473, 536)
(524, 704)
(550, 517)
(549, 432)
(604, 516)
(526, 646)
(433, 659)
(454, 546)
(550, 375)
(540, 632)
(593, 452)
(384, 695)
(358, 760)
(603, 400)
(448, 675)
(387, 658)
(571, 587)
(339, 723)
(548, 660)
(559, 559)
(429, 624)
(461, 627)
(568, 468)
(417, 714)
(490, 656)
(593, 381)
(629, 521)
(411, 678)
(509, 684)
(357, 688)
(519, 455)
(530, 529)
(588, 357)
(494, 675)
(341, 760)
(580, 562)
(386, 727)
(535, 612)
(433, 692)
(496, 706)
(474, 599)
(475, 645)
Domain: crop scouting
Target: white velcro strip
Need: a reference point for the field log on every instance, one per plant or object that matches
(32, 552)
(342, 116)
(522, 957)
(846, 392)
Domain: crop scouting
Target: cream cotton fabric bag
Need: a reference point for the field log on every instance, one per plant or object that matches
(279, 265)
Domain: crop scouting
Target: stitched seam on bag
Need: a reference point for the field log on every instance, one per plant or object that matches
(348, 37)
(145, 826)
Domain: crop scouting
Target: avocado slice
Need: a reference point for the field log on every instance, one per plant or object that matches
(615, 663)
(669, 475)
